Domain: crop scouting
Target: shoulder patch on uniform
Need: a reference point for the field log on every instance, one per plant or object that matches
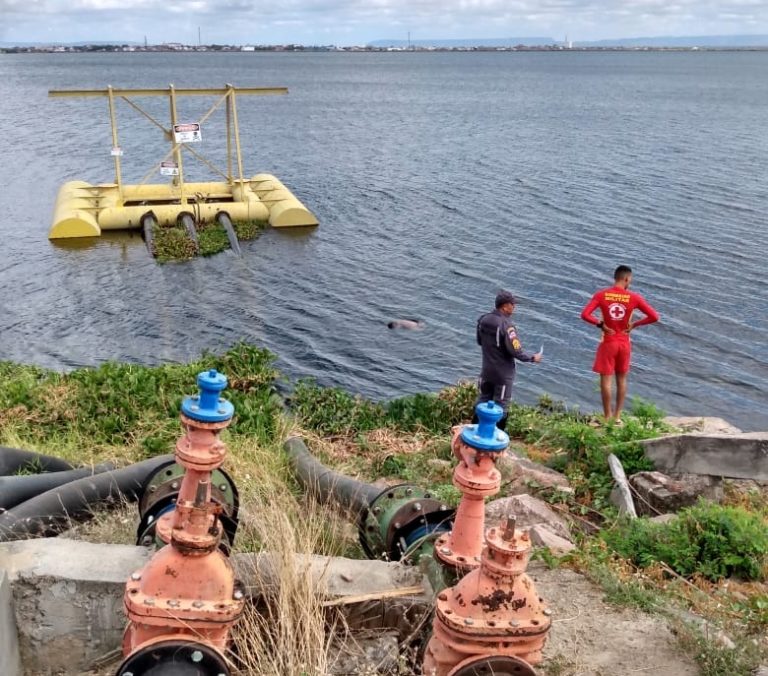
(511, 333)
(516, 344)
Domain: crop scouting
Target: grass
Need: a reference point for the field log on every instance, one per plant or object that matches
(127, 412)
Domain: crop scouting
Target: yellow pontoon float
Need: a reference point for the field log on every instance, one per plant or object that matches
(85, 210)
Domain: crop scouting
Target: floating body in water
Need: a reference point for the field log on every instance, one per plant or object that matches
(412, 324)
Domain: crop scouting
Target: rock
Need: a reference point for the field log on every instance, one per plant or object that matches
(659, 493)
(621, 495)
(704, 425)
(737, 456)
(543, 536)
(663, 518)
(518, 473)
(528, 511)
(762, 671)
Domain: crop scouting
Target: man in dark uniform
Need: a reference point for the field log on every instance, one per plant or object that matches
(501, 346)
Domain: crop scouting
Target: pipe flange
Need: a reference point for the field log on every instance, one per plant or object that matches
(447, 557)
(175, 658)
(497, 665)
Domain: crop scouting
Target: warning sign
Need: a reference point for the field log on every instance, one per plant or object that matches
(169, 169)
(187, 133)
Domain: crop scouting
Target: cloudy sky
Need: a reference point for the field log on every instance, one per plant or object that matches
(348, 22)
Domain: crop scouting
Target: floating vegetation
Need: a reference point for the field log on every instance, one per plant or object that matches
(172, 243)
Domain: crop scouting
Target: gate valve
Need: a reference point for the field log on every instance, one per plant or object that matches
(477, 447)
(492, 612)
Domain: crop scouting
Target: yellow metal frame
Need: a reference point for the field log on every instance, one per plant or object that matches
(227, 94)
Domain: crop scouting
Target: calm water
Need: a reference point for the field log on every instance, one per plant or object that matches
(437, 178)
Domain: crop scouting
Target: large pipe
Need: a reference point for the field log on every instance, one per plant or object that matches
(189, 225)
(148, 223)
(226, 223)
(13, 460)
(325, 484)
(16, 489)
(53, 511)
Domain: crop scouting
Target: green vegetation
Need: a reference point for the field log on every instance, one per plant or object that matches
(708, 539)
(704, 560)
(173, 243)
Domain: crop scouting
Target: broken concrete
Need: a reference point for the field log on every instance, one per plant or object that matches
(659, 494)
(372, 654)
(737, 456)
(621, 495)
(528, 511)
(10, 664)
(520, 474)
(67, 596)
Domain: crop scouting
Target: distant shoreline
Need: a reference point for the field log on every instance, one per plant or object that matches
(100, 49)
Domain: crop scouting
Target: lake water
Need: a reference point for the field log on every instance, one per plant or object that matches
(438, 179)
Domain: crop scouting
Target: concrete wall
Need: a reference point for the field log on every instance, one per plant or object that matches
(9, 647)
(737, 456)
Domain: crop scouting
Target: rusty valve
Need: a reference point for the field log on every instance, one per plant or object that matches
(477, 447)
(186, 599)
(492, 616)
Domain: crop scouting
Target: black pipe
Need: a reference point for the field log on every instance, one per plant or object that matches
(148, 223)
(327, 485)
(55, 510)
(16, 489)
(189, 225)
(13, 460)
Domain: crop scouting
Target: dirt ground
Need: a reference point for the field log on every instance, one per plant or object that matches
(592, 638)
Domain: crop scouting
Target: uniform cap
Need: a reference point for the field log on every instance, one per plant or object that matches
(504, 297)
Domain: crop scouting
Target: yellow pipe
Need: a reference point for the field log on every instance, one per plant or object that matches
(74, 212)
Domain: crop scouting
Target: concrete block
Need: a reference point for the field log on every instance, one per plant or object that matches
(10, 664)
(703, 425)
(737, 456)
(543, 536)
(68, 600)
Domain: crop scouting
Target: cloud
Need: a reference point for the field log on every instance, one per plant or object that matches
(240, 21)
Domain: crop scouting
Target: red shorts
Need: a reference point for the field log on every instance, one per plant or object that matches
(613, 356)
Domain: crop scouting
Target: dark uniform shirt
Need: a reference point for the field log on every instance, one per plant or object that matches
(497, 337)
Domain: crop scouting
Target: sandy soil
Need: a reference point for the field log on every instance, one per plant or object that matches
(592, 638)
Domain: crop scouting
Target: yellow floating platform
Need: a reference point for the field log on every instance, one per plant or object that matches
(85, 210)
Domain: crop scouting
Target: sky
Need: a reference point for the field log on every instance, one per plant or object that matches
(353, 22)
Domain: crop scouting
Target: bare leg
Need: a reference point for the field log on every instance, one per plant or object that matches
(605, 393)
(621, 393)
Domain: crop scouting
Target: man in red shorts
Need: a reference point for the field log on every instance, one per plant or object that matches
(616, 304)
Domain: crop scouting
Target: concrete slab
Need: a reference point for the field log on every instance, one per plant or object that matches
(10, 664)
(737, 456)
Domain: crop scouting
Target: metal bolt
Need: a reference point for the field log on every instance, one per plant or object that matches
(127, 673)
(197, 656)
(514, 623)
(376, 510)
(509, 530)
(223, 487)
(443, 507)
(547, 612)
(221, 411)
(152, 489)
(477, 558)
(197, 604)
(221, 400)
(446, 551)
(173, 603)
(397, 524)
(468, 621)
(409, 491)
(135, 577)
(238, 594)
(195, 407)
(175, 485)
(416, 506)
(149, 602)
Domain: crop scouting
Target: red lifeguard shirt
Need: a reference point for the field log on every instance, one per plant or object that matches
(617, 305)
